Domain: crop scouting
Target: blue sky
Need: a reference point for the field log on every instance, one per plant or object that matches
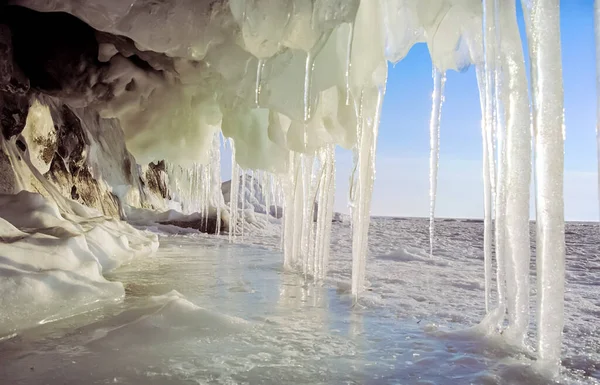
(401, 186)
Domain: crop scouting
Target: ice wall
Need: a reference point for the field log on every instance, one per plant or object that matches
(285, 80)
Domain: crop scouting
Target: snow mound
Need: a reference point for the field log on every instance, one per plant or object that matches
(54, 262)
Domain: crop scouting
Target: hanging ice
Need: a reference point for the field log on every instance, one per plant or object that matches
(439, 82)
(234, 193)
(543, 34)
(487, 190)
(518, 176)
(487, 90)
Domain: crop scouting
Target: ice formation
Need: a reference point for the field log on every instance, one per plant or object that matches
(439, 81)
(286, 80)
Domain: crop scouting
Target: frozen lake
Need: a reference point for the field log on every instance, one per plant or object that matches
(202, 311)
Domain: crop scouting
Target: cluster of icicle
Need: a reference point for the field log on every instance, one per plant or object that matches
(513, 130)
(287, 80)
(305, 194)
(197, 187)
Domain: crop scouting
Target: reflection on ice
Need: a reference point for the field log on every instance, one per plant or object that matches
(204, 311)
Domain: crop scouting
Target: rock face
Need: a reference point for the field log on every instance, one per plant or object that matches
(49, 73)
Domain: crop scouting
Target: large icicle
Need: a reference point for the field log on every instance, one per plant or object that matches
(215, 187)
(439, 82)
(518, 176)
(548, 120)
(490, 38)
(326, 191)
(234, 192)
(243, 200)
(368, 128)
(487, 190)
(293, 213)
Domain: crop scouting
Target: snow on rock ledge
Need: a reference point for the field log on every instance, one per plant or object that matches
(53, 263)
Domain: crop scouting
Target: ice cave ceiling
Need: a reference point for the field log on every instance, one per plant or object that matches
(273, 75)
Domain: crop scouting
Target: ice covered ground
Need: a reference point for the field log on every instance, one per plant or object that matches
(204, 311)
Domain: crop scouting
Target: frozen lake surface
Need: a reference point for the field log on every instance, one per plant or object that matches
(202, 311)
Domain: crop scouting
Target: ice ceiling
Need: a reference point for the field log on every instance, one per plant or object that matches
(283, 78)
(274, 75)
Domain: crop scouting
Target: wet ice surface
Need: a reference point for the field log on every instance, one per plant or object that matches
(203, 311)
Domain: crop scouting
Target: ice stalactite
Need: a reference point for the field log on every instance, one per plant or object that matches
(439, 82)
(215, 185)
(487, 191)
(292, 212)
(488, 118)
(280, 189)
(597, 30)
(326, 192)
(368, 127)
(308, 190)
(548, 119)
(243, 199)
(234, 192)
(259, 70)
(308, 205)
(518, 176)
(309, 67)
(349, 62)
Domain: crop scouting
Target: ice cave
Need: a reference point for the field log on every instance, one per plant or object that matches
(167, 184)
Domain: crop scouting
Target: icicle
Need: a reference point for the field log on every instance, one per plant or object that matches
(518, 178)
(494, 127)
(547, 95)
(307, 202)
(315, 171)
(243, 198)
(439, 81)
(259, 71)
(234, 192)
(309, 67)
(291, 203)
(368, 128)
(324, 210)
(487, 190)
(215, 189)
(281, 200)
(349, 62)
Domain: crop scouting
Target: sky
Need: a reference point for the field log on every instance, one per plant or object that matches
(402, 170)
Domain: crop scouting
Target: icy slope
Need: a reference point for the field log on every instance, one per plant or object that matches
(51, 264)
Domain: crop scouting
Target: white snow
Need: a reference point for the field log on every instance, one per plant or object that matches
(51, 264)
